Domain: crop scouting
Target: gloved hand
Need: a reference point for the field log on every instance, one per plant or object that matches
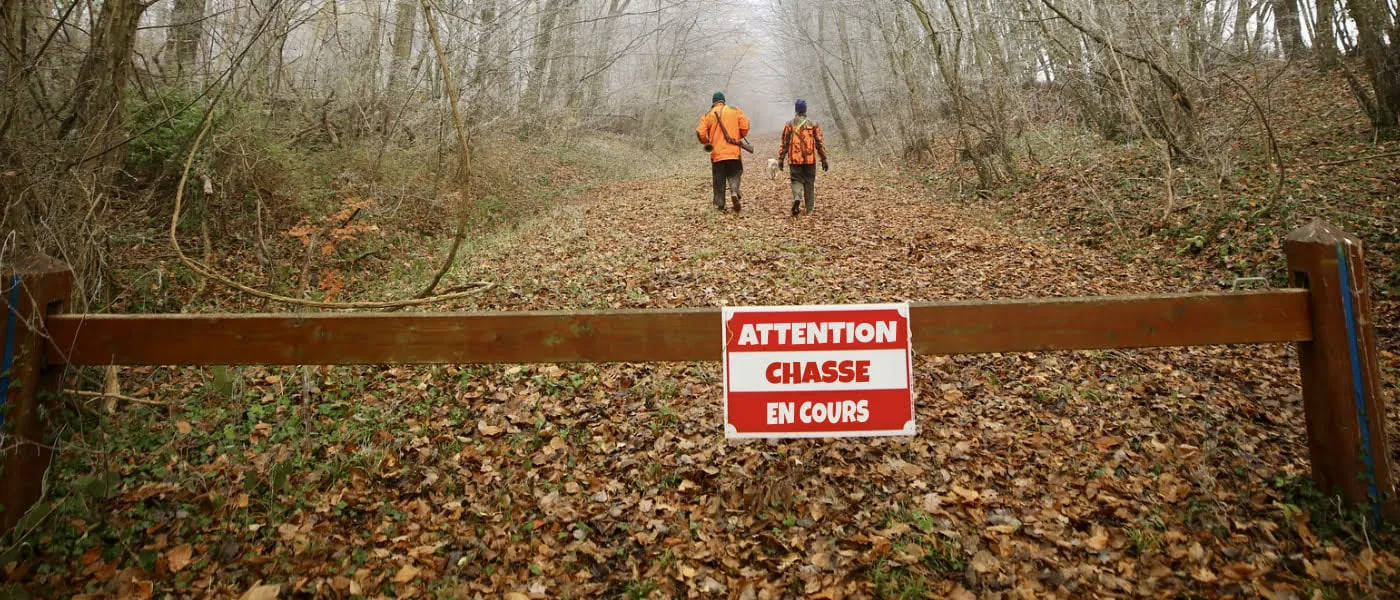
(780, 165)
(824, 166)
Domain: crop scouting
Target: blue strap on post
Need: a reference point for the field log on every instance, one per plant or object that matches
(11, 323)
(1357, 385)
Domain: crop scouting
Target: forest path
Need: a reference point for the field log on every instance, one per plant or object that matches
(1035, 468)
(1060, 474)
(874, 237)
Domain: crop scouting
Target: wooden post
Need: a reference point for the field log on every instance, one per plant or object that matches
(29, 386)
(1342, 397)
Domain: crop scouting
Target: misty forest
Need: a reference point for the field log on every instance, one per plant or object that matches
(407, 159)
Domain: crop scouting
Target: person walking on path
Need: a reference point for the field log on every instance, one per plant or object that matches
(802, 145)
(722, 130)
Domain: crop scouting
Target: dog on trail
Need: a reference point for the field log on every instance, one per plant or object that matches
(773, 168)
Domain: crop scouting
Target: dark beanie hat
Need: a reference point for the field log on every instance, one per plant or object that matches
(718, 97)
(801, 106)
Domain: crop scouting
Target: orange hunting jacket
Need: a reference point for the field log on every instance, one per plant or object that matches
(802, 141)
(735, 122)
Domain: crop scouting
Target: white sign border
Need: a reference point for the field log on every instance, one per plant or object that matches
(727, 313)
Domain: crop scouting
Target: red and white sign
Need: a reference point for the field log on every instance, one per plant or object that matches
(817, 371)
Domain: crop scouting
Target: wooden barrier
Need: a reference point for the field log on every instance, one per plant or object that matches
(659, 335)
(1342, 394)
(1327, 314)
(33, 291)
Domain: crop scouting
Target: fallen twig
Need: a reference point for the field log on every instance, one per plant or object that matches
(1352, 160)
(88, 394)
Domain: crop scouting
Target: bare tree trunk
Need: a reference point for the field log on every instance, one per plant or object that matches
(1325, 32)
(539, 71)
(486, 61)
(99, 100)
(1195, 34)
(562, 61)
(185, 37)
(15, 38)
(851, 82)
(603, 51)
(1373, 25)
(1290, 35)
(405, 15)
(1239, 35)
(825, 75)
(1263, 9)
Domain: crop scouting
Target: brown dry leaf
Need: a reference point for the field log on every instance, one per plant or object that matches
(406, 574)
(1196, 552)
(182, 426)
(487, 430)
(179, 557)
(960, 593)
(1105, 442)
(967, 494)
(1326, 571)
(136, 589)
(262, 592)
(1239, 571)
(1099, 539)
(984, 562)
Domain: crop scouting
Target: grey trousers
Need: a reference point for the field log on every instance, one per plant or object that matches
(804, 186)
(726, 172)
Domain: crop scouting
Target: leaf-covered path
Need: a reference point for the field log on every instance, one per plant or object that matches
(1153, 472)
(1161, 473)
(873, 237)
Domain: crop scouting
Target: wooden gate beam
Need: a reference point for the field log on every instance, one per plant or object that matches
(659, 335)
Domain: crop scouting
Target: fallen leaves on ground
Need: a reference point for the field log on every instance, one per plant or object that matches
(1048, 475)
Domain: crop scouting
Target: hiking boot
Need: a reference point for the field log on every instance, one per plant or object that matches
(736, 204)
(796, 209)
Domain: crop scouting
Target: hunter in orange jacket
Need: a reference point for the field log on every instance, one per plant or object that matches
(709, 132)
(721, 130)
(802, 145)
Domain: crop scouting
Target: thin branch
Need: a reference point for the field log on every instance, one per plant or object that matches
(1277, 156)
(1351, 160)
(463, 153)
(1097, 37)
(87, 394)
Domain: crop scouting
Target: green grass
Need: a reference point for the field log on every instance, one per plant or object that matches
(896, 582)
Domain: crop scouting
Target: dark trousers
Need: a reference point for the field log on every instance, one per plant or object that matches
(726, 172)
(804, 186)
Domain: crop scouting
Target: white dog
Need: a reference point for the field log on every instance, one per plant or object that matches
(773, 168)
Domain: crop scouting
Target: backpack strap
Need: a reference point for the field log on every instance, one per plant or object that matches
(791, 132)
(720, 121)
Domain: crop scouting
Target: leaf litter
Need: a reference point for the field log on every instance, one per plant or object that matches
(1154, 473)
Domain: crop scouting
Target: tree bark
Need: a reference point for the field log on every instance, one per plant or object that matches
(1290, 34)
(825, 75)
(1325, 32)
(405, 15)
(185, 37)
(1239, 35)
(1382, 58)
(539, 69)
(99, 98)
(851, 81)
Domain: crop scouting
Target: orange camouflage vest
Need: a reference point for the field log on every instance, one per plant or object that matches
(802, 142)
